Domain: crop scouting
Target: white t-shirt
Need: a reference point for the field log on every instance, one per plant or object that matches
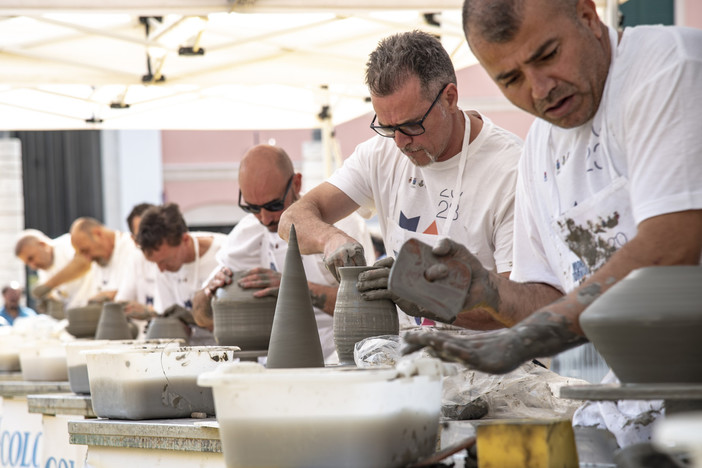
(74, 293)
(251, 245)
(140, 286)
(647, 133)
(179, 287)
(109, 277)
(415, 202)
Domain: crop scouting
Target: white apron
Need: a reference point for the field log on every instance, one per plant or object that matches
(397, 236)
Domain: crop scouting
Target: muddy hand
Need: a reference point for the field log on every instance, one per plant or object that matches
(181, 313)
(348, 254)
(260, 278)
(495, 352)
(139, 311)
(40, 291)
(222, 278)
(482, 291)
(373, 286)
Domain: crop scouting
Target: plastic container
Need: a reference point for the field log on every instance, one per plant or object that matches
(9, 350)
(43, 361)
(322, 417)
(78, 364)
(153, 383)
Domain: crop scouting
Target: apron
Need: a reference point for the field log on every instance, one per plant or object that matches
(397, 236)
(586, 235)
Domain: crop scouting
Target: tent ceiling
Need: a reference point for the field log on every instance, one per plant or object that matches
(238, 64)
(210, 64)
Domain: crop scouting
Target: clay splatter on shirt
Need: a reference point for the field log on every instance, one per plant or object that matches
(585, 242)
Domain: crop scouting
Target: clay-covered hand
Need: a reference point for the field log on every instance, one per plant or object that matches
(222, 278)
(480, 291)
(347, 254)
(495, 352)
(373, 286)
(40, 291)
(136, 310)
(264, 279)
(181, 313)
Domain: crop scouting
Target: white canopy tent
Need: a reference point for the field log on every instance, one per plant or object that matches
(211, 64)
(221, 65)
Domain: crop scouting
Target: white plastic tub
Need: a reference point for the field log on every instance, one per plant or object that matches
(153, 383)
(9, 350)
(344, 417)
(43, 361)
(78, 365)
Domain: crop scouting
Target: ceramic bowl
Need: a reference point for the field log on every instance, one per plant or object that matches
(240, 319)
(83, 321)
(166, 327)
(647, 327)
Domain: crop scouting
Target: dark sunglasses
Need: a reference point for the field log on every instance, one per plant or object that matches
(409, 128)
(273, 205)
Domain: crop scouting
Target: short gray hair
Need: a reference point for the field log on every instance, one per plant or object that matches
(498, 21)
(401, 56)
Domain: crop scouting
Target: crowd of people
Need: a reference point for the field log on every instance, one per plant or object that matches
(608, 180)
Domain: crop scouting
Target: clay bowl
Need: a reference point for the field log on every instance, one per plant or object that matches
(83, 321)
(166, 327)
(647, 327)
(240, 319)
(113, 324)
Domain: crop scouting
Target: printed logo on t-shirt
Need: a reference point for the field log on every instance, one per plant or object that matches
(414, 183)
(412, 224)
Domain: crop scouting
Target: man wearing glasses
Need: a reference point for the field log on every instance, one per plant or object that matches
(268, 187)
(433, 171)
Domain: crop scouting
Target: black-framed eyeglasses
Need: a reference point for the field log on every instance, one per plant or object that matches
(273, 205)
(409, 128)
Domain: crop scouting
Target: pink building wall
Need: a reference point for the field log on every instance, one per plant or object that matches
(215, 154)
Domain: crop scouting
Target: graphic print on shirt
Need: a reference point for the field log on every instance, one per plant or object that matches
(444, 208)
(592, 155)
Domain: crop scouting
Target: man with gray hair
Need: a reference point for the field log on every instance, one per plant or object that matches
(432, 171)
(610, 180)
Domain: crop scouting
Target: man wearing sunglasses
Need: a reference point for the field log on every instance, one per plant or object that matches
(268, 187)
(432, 171)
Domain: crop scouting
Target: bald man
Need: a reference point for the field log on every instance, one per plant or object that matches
(112, 253)
(268, 186)
(48, 257)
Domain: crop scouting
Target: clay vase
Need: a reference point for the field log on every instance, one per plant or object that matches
(166, 327)
(240, 319)
(55, 309)
(83, 321)
(294, 336)
(356, 318)
(113, 323)
(647, 327)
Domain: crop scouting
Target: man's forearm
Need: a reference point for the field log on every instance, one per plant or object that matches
(508, 302)
(202, 310)
(313, 231)
(74, 269)
(323, 297)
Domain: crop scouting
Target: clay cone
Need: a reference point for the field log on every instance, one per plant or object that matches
(113, 323)
(294, 337)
